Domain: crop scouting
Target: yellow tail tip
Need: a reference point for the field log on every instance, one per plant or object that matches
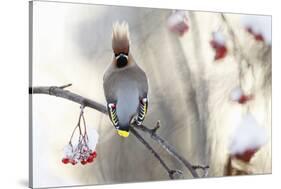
(123, 133)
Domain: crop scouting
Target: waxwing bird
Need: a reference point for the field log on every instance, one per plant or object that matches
(125, 84)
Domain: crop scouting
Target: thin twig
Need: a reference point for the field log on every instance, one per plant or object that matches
(65, 86)
(200, 167)
(170, 149)
(238, 52)
(85, 102)
(147, 145)
(204, 168)
(240, 56)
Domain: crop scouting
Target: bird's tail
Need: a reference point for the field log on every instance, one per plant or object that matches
(120, 35)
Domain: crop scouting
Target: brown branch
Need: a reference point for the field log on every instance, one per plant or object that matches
(60, 92)
(170, 149)
(204, 168)
(172, 173)
(85, 102)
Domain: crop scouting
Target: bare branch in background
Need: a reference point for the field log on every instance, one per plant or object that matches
(237, 49)
(85, 102)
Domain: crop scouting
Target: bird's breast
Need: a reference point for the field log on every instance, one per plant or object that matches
(127, 102)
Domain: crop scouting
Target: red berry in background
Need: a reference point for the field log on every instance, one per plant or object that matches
(178, 22)
(249, 30)
(247, 155)
(65, 160)
(257, 36)
(220, 52)
(180, 28)
(244, 99)
(238, 95)
(218, 44)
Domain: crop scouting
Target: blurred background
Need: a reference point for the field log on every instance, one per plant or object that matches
(189, 89)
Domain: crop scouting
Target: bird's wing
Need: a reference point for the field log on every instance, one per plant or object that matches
(109, 81)
(143, 91)
(142, 81)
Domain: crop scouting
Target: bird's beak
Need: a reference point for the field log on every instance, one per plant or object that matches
(123, 133)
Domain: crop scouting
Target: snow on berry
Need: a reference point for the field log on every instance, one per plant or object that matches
(218, 44)
(238, 95)
(93, 138)
(68, 150)
(247, 139)
(258, 26)
(178, 22)
(219, 38)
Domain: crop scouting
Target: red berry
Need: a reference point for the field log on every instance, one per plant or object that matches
(73, 162)
(259, 37)
(65, 160)
(90, 159)
(247, 155)
(83, 162)
(94, 154)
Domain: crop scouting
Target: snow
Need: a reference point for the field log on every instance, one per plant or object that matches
(236, 93)
(219, 38)
(248, 135)
(93, 138)
(176, 17)
(68, 150)
(259, 25)
(177, 22)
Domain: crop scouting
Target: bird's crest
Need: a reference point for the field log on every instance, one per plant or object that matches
(120, 37)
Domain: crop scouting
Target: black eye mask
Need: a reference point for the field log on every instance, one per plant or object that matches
(122, 59)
